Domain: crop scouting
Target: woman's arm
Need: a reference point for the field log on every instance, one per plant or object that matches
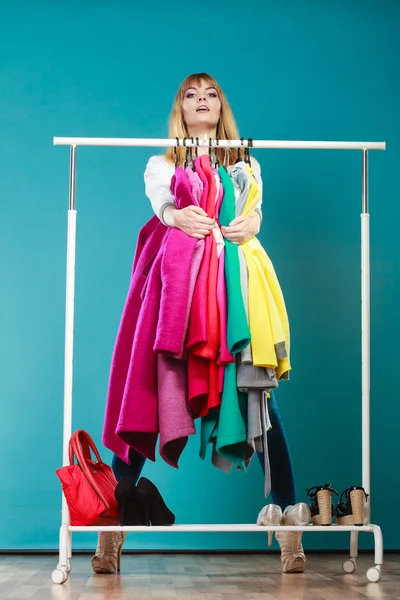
(157, 180)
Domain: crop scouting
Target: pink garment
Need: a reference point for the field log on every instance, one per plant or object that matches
(220, 198)
(150, 407)
(174, 306)
(179, 274)
(197, 330)
(148, 392)
(148, 245)
(195, 184)
(181, 189)
(138, 418)
(177, 318)
(198, 367)
(175, 417)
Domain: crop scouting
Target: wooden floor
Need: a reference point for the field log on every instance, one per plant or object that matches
(203, 577)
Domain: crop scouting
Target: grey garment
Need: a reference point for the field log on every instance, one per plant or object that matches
(266, 426)
(223, 464)
(258, 425)
(257, 431)
(281, 352)
(241, 181)
(250, 377)
(256, 380)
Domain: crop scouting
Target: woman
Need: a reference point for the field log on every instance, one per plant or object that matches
(201, 110)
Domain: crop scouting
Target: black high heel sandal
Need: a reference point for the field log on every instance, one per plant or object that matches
(350, 508)
(322, 509)
(131, 509)
(156, 510)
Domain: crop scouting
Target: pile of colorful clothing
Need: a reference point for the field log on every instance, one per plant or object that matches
(204, 332)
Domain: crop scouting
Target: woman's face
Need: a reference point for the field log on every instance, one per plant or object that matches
(201, 107)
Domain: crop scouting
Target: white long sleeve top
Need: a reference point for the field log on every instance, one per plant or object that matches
(157, 179)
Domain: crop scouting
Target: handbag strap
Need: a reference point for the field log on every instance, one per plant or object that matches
(83, 441)
(80, 445)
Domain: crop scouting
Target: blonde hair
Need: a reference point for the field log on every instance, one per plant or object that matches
(226, 128)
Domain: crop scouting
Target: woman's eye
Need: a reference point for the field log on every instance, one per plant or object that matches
(212, 94)
(190, 95)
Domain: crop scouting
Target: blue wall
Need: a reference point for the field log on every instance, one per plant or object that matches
(291, 70)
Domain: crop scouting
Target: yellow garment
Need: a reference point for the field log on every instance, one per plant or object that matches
(268, 320)
(253, 195)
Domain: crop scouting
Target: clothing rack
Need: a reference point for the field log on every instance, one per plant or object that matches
(60, 574)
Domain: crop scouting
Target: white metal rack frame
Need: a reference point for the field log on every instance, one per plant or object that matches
(60, 574)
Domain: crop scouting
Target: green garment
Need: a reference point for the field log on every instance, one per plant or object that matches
(238, 332)
(227, 427)
(232, 434)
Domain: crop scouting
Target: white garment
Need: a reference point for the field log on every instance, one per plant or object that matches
(157, 179)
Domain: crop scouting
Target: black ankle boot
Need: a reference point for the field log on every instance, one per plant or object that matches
(131, 509)
(155, 508)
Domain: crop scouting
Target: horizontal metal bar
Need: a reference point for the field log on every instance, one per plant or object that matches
(164, 143)
(225, 528)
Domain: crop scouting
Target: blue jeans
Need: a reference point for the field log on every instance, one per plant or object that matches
(282, 479)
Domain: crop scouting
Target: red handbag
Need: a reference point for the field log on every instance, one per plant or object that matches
(88, 486)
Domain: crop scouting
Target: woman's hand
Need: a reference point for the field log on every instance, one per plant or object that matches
(242, 229)
(193, 221)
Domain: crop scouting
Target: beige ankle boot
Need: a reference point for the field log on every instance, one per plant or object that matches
(108, 552)
(293, 558)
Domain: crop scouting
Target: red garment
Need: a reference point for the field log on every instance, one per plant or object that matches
(214, 395)
(209, 349)
(203, 373)
(198, 385)
(224, 355)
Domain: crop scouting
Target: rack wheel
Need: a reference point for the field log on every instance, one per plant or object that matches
(59, 576)
(374, 574)
(66, 569)
(349, 566)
